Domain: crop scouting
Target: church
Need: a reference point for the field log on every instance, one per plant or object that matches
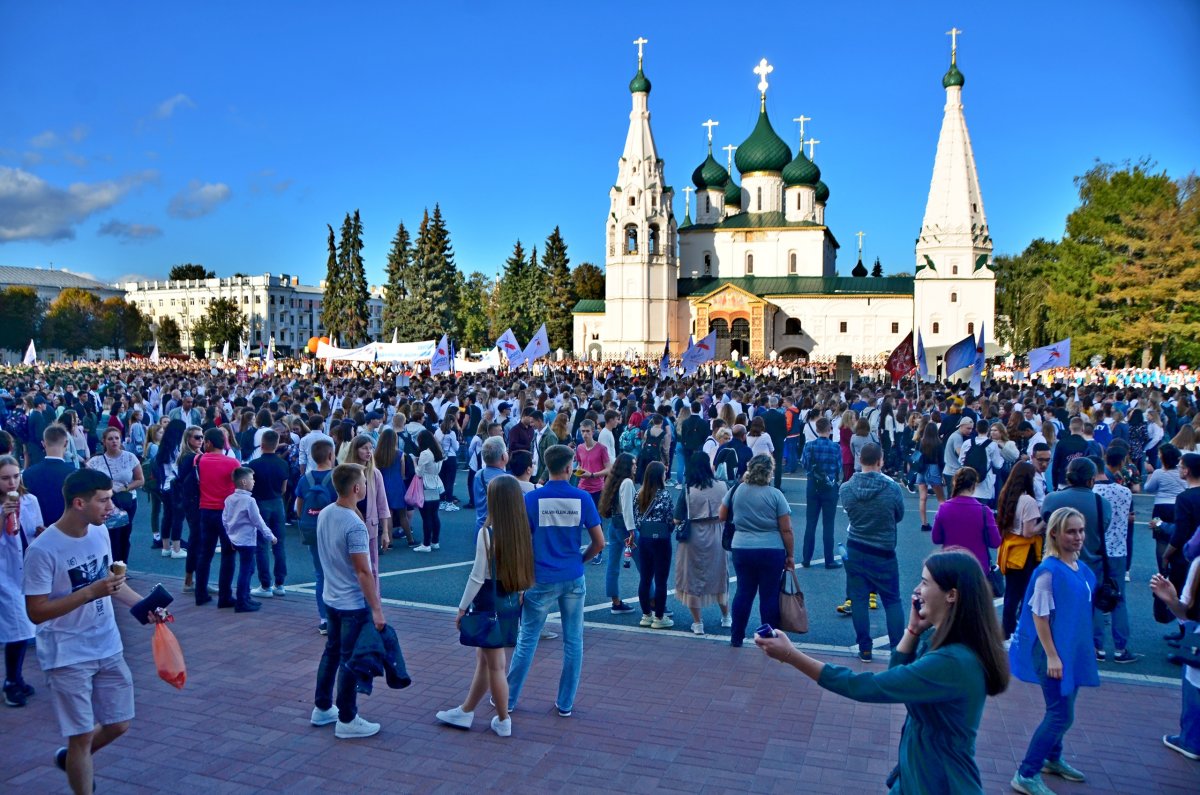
(758, 264)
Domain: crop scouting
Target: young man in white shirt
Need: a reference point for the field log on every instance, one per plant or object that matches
(69, 585)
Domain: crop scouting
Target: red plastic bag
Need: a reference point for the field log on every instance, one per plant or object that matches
(168, 657)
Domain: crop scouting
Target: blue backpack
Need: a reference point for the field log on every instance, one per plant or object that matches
(317, 494)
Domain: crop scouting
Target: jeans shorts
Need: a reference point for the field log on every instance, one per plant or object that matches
(86, 693)
(930, 476)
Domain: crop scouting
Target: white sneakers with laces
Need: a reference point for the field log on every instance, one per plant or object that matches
(359, 727)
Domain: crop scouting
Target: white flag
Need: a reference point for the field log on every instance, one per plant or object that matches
(703, 351)
(270, 364)
(224, 350)
(538, 347)
(440, 362)
(510, 347)
(1051, 356)
(243, 350)
(154, 353)
(30, 355)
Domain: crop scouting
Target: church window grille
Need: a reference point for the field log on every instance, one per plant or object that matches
(612, 233)
(631, 241)
(708, 264)
(758, 198)
(935, 327)
(749, 264)
(792, 263)
(792, 326)
(895, 328)
(970, 328)
(842, 327)
(954, 298)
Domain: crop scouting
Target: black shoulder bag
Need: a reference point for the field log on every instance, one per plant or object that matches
(995, 577)
(728, 530)
(1108, 593)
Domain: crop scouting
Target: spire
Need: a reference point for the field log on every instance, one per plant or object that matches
(639, 143)
(640, 84)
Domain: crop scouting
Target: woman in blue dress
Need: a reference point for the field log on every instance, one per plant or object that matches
(1052, 647)
(943, 686)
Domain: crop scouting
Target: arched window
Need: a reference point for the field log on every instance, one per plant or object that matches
(799, 201)
(954, 298)
(708, 264)
(653, 241)
(739, 336)
(758, 198)
(707, 204)
(970, 328)
(749, 264)
(632, 202)
(654, 200)
(792, 262)
(612, 240)
(631, 241)
(953, 270)
(792, 326)
(935, 327)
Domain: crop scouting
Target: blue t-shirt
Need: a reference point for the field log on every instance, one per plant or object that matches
(558, 512)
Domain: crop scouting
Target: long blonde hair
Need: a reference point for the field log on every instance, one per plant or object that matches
(1058, 523)
(511, 537)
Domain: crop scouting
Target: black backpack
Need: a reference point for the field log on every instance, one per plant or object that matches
(410, 445)
(977, 457)
(317, 495)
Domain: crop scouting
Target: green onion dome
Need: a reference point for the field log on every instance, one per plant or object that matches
(801, 171)
(822, 193)
(710, 175)
(733, 195)
(764, 150)
(953, 77)
(640, 84)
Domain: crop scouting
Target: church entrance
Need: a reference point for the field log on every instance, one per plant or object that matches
(739, 337)
(722, 328)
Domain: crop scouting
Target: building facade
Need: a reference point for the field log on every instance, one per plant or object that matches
(759, 264)
(49, 282)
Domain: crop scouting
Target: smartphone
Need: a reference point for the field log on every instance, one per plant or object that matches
(918, 603)
(765, 631)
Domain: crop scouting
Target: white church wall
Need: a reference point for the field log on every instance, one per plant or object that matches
(956, 305)
(770, 249)
(873, 325)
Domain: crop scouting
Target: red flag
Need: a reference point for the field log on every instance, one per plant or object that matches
(903, 360)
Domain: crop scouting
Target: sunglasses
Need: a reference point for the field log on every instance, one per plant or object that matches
(197, 438)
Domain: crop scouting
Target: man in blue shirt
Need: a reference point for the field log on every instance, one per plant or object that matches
(494, 455)
(557, 513)
(822, 462)
(45, 479)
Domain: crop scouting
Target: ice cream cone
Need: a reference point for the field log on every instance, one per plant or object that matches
(118, 568)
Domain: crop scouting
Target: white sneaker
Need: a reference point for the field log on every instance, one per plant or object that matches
(359, 727)
(217, 551)
(727, 621)
(279, 590)
(662, 623)
(456, 717)
(166, 553)
(422, 548)
(646, 621)
(177, 554)
(502, 727)
(261, 593)
(698, 627)
(1127, 577)
(324, 717)
(437, 546)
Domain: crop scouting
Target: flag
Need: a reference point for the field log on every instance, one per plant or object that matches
(960, 355)
(922, 361)
(702, 351)
(395, 332)
(154, 353)
(440, 362)
(224, 350)
(902, 361)
(452, 354)
(270, 362)
(1051, 356)
(597, 387)
(742, 367)
(664, 366)
(538, 347)
(510, 347)
(30, 355)
(977, 369)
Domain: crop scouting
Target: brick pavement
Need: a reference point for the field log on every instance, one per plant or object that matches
(654, 712)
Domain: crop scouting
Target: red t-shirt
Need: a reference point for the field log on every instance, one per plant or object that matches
(216, 479)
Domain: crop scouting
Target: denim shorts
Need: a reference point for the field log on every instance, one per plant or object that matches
(930, 476)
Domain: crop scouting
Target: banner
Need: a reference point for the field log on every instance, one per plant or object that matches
(440, 362)
(538, 347)
(379, 351)
(702, 351)
(902, 361)
(960, 356)
(1051, 356)
(922, 360)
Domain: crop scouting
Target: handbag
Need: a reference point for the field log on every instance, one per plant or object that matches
(124, 500)
(1108, 593)
(793, 614)
(728, 530)
(414, 495)
(915, 456)
(495, 628)
(683, 532)
(995, 577)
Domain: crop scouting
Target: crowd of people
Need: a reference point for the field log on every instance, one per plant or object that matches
(610, 465)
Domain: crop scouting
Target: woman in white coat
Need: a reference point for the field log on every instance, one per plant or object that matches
(22, 520)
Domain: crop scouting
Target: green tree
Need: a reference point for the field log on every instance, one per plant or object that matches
(71, 320)
(222, 322)
(434, 282)
(332, 303)
(22, 311)
(352, 277)
(121, 325)
(474, 310)
(188, 271)
(589, 282)
(877, 270)
(513, 304)
(398, 316)
(168, 336)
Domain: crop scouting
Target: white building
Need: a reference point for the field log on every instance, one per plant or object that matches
(49, 282)
(758, 264)
(276, 306)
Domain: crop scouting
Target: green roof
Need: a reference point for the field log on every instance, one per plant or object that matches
(801, 171)
(775, 220)
(589, 306)
(953, 77)
(639, 84)
(710, 174)
(764, 150)
(801, 285)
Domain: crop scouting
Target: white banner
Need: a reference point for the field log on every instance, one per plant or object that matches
(380, 352)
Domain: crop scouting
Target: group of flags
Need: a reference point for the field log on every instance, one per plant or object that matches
(538, 347)
(969, 353)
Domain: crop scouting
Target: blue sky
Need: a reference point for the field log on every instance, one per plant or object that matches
(140, 135)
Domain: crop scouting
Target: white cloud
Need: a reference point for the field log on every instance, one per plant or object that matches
(79, 161)
(33, 209)
(44, 140)
(129, 233)
(167, 107)
(79, 132)
(198, 199)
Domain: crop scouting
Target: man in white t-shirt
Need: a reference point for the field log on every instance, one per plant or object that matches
(69, 586)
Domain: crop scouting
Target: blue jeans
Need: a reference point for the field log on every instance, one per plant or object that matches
(1120, 615)
(681, 458)
(791, 456)
(822, 502)
(212, 531)
(344, 628)
(758, 573)
(867, 573)
(245, 564)
(1046, 744)
(320, 577)
(616, 556)
(1189, 717)
(272, 514)
(539, 601)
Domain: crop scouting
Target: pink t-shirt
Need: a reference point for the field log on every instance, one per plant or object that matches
(593, 460)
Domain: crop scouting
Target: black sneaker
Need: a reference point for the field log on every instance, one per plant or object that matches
(837, 564)
(598, 560)
(926, 528)
(621, 609)
(14, 695)
(323, 628)
(1125, 656)
(1101, 655)
(864, 655)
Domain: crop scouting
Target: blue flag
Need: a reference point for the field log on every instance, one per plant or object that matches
(960, 355)
(922, 362)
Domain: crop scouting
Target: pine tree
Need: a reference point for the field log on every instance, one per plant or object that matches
(332, 316)
(512, 309)
(474, 313)
(357, 313)
(434, 270)
(560, 292)
(877, 271)
(397, 303)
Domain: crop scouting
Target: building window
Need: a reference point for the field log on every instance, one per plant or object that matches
(631, 243)
(935, 327)
(954, 298)
(160, 302)
(953, 270)
(595, 337)
(245, 299)
(707, 204)
(653, 241)
(172, 302)
(632, 202)
(792, 327)
(749, 264)
(970, 328)
(895, 328)
(708, 264)
(798, 201)
(258, 299)
(654, 200)
(758, 198)
(842, 327)
(792, 263)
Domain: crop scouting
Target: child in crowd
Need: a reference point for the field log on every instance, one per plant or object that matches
(243, 524)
